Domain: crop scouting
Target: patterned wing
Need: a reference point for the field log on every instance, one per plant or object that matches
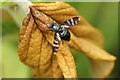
(71, 22)
(56, 44)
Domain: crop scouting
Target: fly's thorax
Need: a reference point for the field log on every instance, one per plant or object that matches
(56, 28)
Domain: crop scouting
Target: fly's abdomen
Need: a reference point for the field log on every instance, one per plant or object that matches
(65, 35)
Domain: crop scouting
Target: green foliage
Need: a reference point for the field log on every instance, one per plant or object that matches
(3, 2)
(11, 65)
(82, 64)
(9, 27)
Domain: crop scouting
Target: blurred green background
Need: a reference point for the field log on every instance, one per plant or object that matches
(102, 15)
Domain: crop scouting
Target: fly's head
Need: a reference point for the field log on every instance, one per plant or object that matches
(50, 24)
(53, 27)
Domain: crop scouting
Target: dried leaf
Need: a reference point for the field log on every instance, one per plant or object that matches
(69, 69)
(57, 73)
(48, 62)
(86, 39)
(36, 51)
(66, 62)
(24, 39)
(35, 43)
(65, 59)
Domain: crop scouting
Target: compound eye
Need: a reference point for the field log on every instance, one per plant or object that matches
(49, 24)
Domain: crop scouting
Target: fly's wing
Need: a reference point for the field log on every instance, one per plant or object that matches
(56, 44)
(71, 22)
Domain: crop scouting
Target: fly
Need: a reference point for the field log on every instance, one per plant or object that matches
(61, 31)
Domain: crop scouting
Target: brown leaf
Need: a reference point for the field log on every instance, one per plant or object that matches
(57, 73)
(66, 62)
(35, 43)
(24, 38)
(48, 62)
(85, 38)
(69, 69)
(38, 53)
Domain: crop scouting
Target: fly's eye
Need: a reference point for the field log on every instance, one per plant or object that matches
(49, 24)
